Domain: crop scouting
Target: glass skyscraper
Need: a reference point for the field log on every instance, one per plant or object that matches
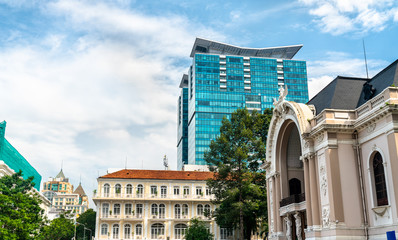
(182, 132)
(223, 78)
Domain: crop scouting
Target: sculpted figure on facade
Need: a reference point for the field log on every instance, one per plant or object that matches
(297, 216)
(278, 103)
(288, 228)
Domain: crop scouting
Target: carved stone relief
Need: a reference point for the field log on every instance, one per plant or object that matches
(319, 139)
(323, 182)
(306, 144)
(325, 216)
(371, 127)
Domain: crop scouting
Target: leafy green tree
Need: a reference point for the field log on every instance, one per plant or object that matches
(86, 219)
(239, 184)
(20, 214)
(197, 230)
(61, 228)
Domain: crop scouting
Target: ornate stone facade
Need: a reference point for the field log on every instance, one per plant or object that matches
(347, 185)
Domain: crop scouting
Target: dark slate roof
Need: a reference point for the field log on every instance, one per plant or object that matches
(349, 93)
(386, 78)
(341, 93)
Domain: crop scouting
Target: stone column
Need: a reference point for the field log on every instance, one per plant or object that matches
(314, 193)
(307, 190)
(299, 226)
(274, 209)
(336, 212)
(269, 212)
(277, 201)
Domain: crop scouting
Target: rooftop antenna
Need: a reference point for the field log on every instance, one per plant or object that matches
(366, 63)
(62, 164)
(165, 162)
(80, 179)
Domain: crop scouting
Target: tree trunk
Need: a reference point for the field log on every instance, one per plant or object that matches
(241, 229)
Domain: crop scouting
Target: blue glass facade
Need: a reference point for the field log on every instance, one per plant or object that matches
(14, 160)
(182, 133)
(219, 84)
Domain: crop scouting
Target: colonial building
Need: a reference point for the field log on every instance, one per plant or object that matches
(62, 196)
(333, 162)
(152, 204)
(45, 204)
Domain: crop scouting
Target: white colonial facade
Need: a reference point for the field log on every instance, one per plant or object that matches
(152, 204)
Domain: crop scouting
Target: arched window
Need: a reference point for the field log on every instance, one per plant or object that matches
(118, 189)
(179, 231)
(106, 190)
(140, 190)
(379, 180)
(162, 210)
(115, 231)
(127, 231)
(157, 230)
(116, 209)
(154, 209)
(129, 189)
(200, 210)
(128, 208)
(138, 229)
(105, 210)
(177, 211)
(104, 229)
(207, 210)
(185, 210)
(294, 186)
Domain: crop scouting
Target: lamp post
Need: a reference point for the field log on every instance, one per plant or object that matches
(85, 232)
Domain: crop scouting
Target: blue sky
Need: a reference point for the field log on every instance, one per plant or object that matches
(93, 83)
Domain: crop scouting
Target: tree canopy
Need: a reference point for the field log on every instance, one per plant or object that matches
(86, 219)
(239, 185)
(20, 214)
(197, 230)
(61, 228)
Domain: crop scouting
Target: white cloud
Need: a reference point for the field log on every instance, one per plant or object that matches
(359, 16)
(97, 92)
(321, 72)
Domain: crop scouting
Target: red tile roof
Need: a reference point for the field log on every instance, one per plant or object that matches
(160, 174)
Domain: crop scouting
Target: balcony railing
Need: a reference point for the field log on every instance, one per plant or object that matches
(156, 196)
(296, 198)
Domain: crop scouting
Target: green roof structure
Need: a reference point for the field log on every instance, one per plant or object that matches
(14, 160)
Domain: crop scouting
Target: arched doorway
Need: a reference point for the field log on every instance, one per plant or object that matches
(292, 204)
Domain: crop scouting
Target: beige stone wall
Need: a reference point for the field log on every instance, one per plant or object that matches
(336, 167)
